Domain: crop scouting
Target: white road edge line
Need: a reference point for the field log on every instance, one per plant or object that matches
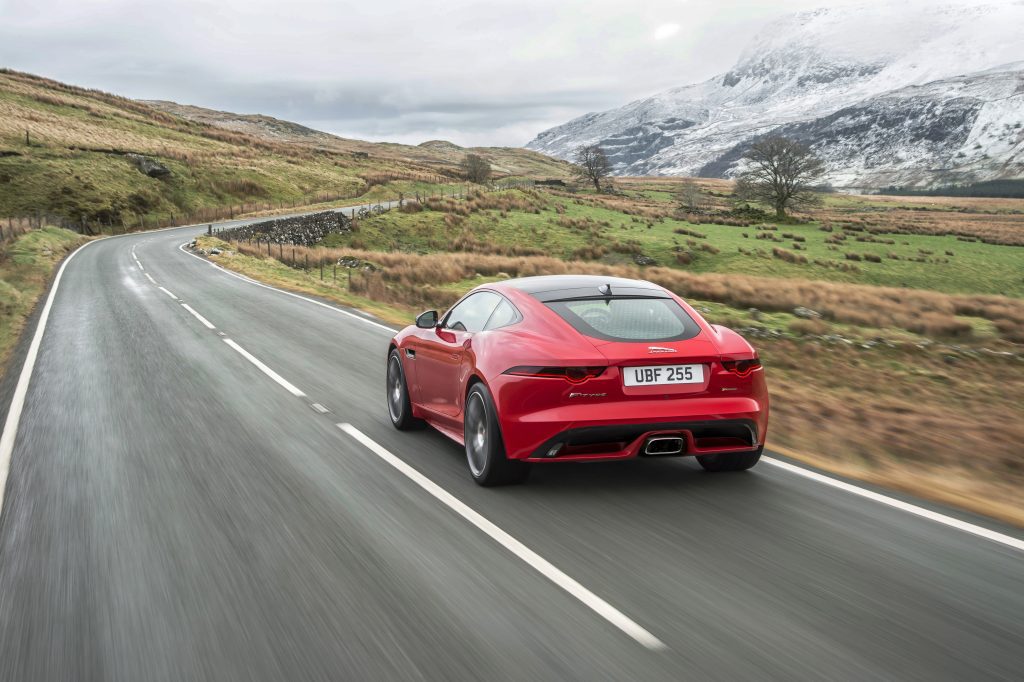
(950, 521)
(10, 432)
(892, 502)
(21, 388)
(206, 322)
(535, 561)
(266, 370)
(288, 293)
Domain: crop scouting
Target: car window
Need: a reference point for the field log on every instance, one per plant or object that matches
(471, 314)
(503, 315)
(628, 319)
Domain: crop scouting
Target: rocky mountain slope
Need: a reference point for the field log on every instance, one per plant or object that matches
(915, 94)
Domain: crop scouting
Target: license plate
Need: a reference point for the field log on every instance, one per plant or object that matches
(661, 375)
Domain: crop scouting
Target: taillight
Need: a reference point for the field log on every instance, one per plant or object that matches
(741, 368)
(574, 375)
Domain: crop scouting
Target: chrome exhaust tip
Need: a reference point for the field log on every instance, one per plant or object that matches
(664, 445)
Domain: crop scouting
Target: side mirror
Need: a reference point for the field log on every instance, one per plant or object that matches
(427, 320)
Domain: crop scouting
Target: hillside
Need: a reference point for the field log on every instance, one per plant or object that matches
(504, 160)
(915, 94)
(87, 156)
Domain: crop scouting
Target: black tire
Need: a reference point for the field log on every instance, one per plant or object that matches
(728, 461)
(397, 395)
(485, 449)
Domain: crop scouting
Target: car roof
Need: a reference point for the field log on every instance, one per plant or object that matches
(556, 287)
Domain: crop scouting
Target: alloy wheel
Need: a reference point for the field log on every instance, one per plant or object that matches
(395, 389)
(476, 434)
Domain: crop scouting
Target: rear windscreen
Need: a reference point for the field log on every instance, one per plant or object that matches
(628, 319)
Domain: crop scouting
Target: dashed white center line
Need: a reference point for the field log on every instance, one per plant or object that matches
(266, 370)
(168, 293)
(537, 562)
(206, 322)
(319, 408)
(150, 278)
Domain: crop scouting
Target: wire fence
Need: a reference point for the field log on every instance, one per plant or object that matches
(14, 226)
(309, 228)
(289, 239)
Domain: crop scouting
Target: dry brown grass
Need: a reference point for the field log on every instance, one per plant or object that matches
(907, 422)
(990, 220)
(904, 417)
(113, 122)
(992, 228)
(930, 313)
(525, 201)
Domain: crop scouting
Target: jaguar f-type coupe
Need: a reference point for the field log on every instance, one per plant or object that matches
(573, 368)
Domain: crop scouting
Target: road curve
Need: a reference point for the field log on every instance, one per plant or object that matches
(180, 507)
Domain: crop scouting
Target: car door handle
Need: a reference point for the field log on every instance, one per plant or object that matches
(455, 356)
(410, 353)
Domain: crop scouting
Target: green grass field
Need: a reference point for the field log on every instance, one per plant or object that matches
(974, 267)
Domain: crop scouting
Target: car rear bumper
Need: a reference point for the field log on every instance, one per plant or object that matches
(621, 430)
(634, 440)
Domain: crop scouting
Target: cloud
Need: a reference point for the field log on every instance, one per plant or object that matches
(666, 31)
(495, 72)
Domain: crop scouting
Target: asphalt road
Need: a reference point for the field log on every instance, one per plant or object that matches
(173, 512)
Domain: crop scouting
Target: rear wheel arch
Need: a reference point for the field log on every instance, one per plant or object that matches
(473, 380)
(400, 406)
(488, 463)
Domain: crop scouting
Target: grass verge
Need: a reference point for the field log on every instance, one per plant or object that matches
(903, 412)
(26, 266)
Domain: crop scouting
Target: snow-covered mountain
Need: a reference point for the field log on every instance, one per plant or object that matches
(911, 94)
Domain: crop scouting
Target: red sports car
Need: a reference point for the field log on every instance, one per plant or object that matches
(572, 368)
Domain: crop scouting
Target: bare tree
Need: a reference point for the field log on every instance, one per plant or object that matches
(690, 195)
(780, 172)
(592, 164)
(476, 169)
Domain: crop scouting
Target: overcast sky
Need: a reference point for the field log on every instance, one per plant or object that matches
(476, 73)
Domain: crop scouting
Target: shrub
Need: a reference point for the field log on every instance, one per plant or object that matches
(590, 253)
(789, 256)
(808, 327)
